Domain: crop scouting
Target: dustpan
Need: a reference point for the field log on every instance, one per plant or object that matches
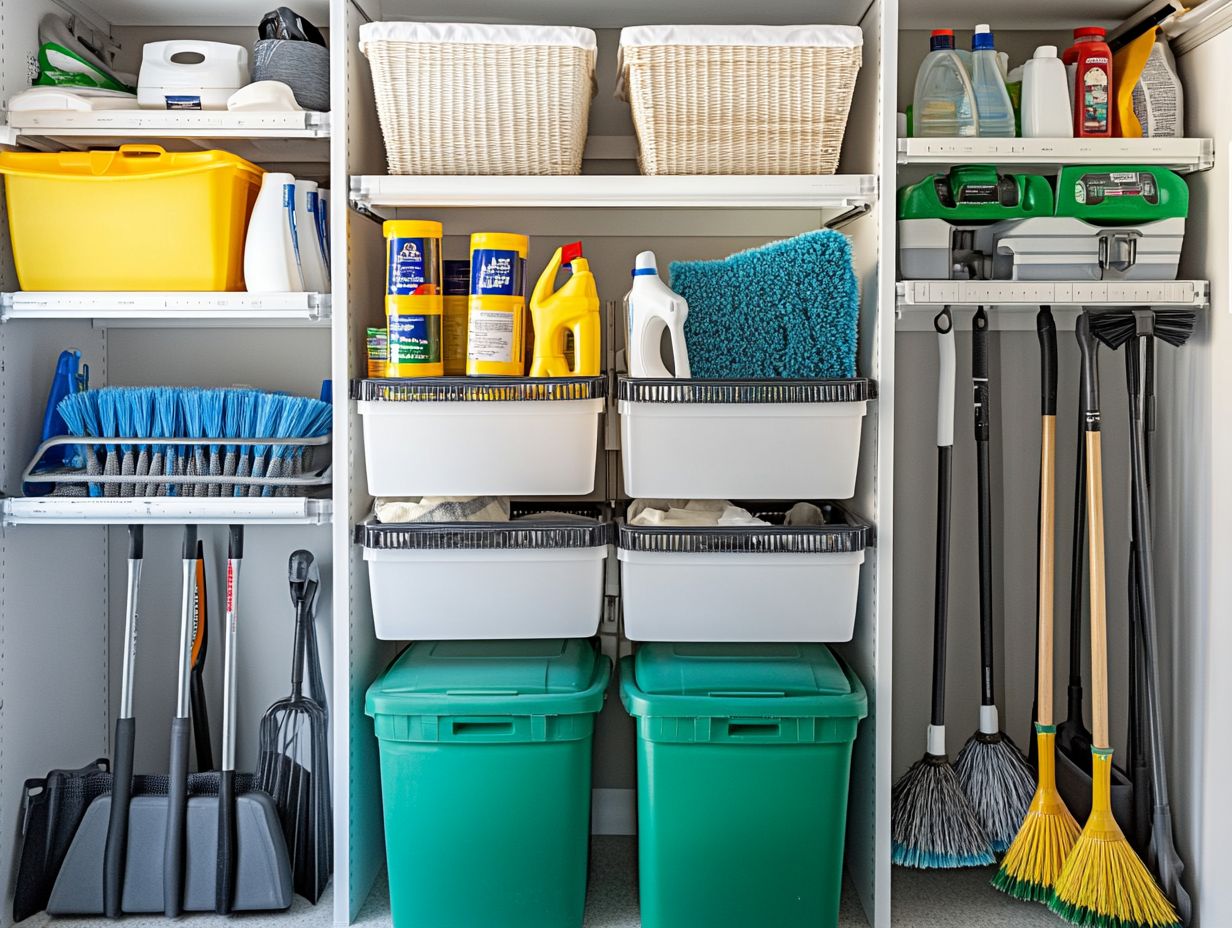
(263, 871)
(1074, 784)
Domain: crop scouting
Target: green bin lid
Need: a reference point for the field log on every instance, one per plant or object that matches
(709, 669)
(715, 679)
(549, 676)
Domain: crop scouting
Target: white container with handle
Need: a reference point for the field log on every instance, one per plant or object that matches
(271, 248)
(188, 74)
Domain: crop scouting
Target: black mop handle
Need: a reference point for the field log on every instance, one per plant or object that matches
(979, 380)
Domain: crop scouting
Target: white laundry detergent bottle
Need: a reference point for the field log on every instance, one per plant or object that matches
(652, 308)
(311, 254)
(271, 249)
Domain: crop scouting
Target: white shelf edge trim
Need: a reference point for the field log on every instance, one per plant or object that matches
(170, 308)
(82, 510)
(933, 294)
(1183, 155)
(8, 137)
(838, 191)
(171, 124)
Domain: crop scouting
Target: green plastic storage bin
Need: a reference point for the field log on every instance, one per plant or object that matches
(485, 779)
(743, 763)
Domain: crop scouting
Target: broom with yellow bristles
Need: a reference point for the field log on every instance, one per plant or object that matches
(1103, 884)
(1034, 860)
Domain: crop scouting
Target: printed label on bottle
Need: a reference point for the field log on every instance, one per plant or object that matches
(455, 322)
(1095, 93)
(497, 272)
(408, 269)
(414, 339)
(490, 336)
(182, 102)
(1092, 189)
(378, 352)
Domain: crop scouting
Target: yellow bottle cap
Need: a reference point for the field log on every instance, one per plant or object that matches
(412, 228)
(506, 241)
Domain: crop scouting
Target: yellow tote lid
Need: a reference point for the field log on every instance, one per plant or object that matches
(412, 228)
(508, 241)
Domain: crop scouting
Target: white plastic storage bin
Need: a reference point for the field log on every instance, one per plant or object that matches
(457, 436)
(724, 439)
(743, 583)
(540, 577)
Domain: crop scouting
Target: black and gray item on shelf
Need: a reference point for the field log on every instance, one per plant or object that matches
(293, 51)
(992, 770)
(51, 809)
(293, 765)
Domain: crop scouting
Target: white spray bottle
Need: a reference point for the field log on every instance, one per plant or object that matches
(271, 251)
(311, 256)
(654, 307)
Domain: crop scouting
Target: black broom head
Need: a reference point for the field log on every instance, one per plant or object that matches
(1117, 326)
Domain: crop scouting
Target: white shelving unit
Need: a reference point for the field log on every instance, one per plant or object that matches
(113, 310)
(1181, 155)
(164, 511)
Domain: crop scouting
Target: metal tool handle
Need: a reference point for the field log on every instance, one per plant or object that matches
(116, 848)
(979, 381)
(224, 886)
(979, 372)
(943, 323)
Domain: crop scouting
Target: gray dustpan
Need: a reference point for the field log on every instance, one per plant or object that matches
(262, 873)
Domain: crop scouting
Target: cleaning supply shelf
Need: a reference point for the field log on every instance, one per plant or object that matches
(1181, 155)
(164, 309)
(1016, 302)
(283, 137)
(292, 510)
(838, 192)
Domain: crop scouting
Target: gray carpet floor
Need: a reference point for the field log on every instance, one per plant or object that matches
(953, 899)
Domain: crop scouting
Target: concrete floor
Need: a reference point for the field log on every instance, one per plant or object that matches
(950, 899)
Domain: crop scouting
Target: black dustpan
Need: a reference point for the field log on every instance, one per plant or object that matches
(1074, 784)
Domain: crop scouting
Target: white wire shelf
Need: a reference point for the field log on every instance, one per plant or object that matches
(1016, 301)
(171, 309)
(269, 137)
(81, 510)
(1181, 155)
(838, 192)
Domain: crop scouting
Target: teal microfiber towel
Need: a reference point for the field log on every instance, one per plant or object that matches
(786, 310)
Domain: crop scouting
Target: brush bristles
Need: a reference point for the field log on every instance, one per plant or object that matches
(1115, 327)
(1105, 885)
(1037, 856)
(999, 785)
(931, 822)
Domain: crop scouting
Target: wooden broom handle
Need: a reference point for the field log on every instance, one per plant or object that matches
(1047, 564)
(1099, 612)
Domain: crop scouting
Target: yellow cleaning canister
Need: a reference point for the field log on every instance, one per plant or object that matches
(496, 310)
(457, 293)
(414, 302)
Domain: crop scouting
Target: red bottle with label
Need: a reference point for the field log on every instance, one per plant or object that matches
(1093, 108)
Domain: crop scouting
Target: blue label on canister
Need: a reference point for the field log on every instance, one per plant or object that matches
(406, 266)
(497, 272)
(414, 339)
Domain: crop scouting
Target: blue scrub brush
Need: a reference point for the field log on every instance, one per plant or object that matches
(786, 310)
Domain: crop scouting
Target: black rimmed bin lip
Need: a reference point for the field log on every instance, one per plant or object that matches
(477, 389)
(668, 390)
(515, 535)
(843, 533)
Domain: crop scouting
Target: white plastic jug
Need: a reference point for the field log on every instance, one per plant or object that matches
(271, 250)
(190, 74)
(992, 100)
(944, 102)
(653, 307)
(311, 250)
(1046, 112)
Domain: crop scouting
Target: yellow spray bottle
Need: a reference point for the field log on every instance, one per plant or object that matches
(571, 310)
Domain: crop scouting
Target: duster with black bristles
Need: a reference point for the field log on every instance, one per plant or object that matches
(992, 770)
(1034, 860)
(932, 824)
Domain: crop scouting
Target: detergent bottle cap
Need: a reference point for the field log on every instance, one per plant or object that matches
(983, 38)
(1046, 51)
(570, 251)
(645, 264)
(941, 39)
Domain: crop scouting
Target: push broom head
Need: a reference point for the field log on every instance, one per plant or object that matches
(1115, 327)
(932, 823)
(1103, 883)
(998, 783)
(1035, 859)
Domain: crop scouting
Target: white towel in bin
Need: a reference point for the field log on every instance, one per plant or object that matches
(443, 509)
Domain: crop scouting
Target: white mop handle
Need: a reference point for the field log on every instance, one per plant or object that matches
(945, 388)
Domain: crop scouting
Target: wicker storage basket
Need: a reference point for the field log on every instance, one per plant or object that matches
(464, 98)
(739, 99)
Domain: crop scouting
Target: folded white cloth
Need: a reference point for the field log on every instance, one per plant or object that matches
(805, 514)
(443, 509)
(689, 512)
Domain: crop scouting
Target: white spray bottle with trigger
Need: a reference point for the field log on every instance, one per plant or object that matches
(652, 307)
